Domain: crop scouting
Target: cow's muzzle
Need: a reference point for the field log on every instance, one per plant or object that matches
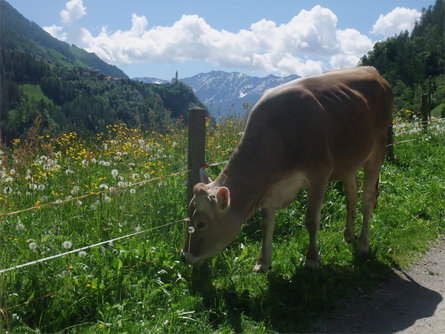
(189, 258)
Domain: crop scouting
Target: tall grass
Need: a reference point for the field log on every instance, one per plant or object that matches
(139, 285)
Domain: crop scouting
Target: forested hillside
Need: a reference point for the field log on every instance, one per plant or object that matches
(64, 87)
(408, 61)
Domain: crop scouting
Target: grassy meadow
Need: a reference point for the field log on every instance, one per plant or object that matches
(112, 185)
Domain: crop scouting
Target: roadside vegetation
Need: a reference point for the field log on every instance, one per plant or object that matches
(109, 187)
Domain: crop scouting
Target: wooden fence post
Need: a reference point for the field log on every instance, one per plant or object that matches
(390, 144)
(424, 109)
(196, 147)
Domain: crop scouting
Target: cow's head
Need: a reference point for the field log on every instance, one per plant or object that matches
(212, 223)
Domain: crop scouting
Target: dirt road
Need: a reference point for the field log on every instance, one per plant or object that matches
(413, 302)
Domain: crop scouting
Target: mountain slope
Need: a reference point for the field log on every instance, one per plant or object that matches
(57, 87)
(226, 92)
(16, 31)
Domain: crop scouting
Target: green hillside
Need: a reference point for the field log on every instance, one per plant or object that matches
(62, 87)
(414, 63)
(19, 33)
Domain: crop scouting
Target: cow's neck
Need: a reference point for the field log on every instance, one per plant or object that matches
(246, 181)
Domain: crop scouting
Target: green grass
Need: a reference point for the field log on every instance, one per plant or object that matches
(34, 92)
(139, 285)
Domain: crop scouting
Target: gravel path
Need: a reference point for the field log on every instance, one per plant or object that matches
(413, 302)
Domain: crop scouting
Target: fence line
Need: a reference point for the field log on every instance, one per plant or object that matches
(93, 194)
(90, 246)
(401, 142)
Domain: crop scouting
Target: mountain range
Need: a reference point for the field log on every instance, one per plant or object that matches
(226, 93)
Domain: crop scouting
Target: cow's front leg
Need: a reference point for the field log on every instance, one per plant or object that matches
(268, 224)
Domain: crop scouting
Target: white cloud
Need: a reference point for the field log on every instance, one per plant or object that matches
(398, 20)
(73, 12)
(56, 32)
(351, 46)
(308, 44)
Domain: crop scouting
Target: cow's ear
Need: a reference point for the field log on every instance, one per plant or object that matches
(203, 176)
(223, 198)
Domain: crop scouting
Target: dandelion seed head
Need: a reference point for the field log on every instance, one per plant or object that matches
(75, 190)
(115, 173)
(67, 244)
(32, 245)
(82, 254)
(20, 227)
(132, 191)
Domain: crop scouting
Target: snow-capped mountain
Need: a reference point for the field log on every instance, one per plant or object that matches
(225, 93)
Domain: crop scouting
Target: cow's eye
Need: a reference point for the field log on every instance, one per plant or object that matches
(201, 225)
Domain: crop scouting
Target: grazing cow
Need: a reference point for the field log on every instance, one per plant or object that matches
(303, 134)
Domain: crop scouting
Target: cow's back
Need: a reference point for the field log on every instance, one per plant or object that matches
(327, 121)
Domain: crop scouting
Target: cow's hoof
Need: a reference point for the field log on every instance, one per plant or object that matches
(363, 246)
(349, 237)
(261, 268)
(312, 265)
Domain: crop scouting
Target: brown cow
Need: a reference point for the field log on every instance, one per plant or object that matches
(303, 134)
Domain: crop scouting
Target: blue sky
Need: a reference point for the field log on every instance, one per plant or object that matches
(155, 38)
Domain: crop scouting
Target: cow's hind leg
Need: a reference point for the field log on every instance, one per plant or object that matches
(370, 193)
(265, 258)
(316, 193)
(351, 190)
